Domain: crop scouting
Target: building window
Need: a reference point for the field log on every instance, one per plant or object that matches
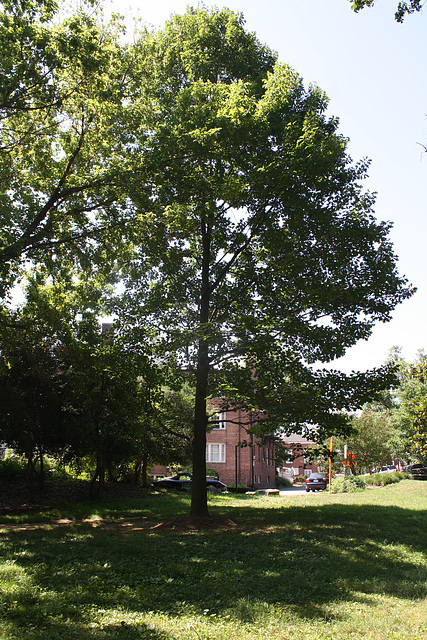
(215, 452)
(218, 420)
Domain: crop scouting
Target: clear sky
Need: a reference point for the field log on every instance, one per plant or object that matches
(374, 72)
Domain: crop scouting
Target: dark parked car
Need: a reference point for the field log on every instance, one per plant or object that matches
(316, 482)
(182, 482)
(418, 471)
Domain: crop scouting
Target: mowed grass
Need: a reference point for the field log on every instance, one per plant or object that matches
(340, 566)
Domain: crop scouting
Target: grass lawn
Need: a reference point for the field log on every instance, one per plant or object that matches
(318, 566)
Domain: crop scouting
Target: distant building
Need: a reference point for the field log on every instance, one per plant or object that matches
(296, 464)
(239, 457)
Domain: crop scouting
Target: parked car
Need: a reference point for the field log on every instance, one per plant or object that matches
(182, 482)
(418, 471)
(409, 467)
(385, 469)
(316, 482)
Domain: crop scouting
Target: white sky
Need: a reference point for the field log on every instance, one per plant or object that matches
(374, 71)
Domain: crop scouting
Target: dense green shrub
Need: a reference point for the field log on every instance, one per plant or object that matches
(347, 484)
(12, 469)
(283, 482)
(212, 473)
(241, 488)
(382, 479)
(402, 476)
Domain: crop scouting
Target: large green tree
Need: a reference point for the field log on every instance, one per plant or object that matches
(261, 255)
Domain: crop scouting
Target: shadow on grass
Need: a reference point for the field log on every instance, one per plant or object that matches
(295, 560)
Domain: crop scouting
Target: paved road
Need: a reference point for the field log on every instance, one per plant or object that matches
(292, 491)
(298, 491)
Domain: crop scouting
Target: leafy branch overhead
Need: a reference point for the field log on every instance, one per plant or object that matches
(61, 93)
(403, 8)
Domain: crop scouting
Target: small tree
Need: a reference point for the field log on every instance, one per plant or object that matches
(32, 420)
(375, 441)
(411, 411)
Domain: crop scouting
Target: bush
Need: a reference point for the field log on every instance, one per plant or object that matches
(283, 482)
(300, 479)
(347, 484)
(241, 488)
(12, 469)
(382, 479)
(212, 473)
(402, 475)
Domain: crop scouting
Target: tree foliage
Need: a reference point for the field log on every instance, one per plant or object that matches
(394, 427)
(261, 246)
(403, 8)
(71, 390)
(32, 398)
(206, 167)
(62, 90)
(375, 440)
(411, 409)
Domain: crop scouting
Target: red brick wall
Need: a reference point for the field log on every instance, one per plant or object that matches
(255, 464)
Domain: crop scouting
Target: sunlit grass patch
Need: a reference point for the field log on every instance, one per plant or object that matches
(327, 566)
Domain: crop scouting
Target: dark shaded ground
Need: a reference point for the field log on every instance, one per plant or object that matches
(15, 498)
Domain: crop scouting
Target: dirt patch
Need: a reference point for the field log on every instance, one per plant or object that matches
(14, 500)
(189, 523)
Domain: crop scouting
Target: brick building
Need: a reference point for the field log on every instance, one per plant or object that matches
(241, 458)
(296, 464)
(237, 456)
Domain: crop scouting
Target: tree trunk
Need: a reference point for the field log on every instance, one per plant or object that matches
(41, 474)
(30, 473)
(199, 499)
(110, 473)
(137, 471)
(143, 470)
(98, 475)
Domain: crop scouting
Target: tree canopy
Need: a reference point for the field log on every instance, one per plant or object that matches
(411, 406)
(62, 89)
(261, 255)
(395, 426)
(74, 391)
(375, 440)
